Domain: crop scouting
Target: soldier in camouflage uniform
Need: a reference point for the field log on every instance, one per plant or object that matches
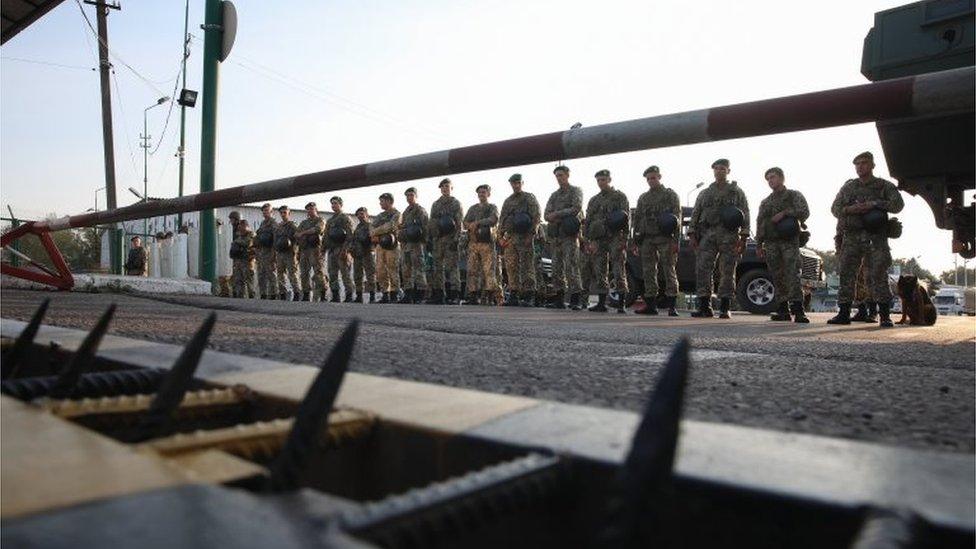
(586, 275)
(309, 237)
(387, 260)
(137, 264)
(265, 254)
(519, 247)
(565, 203)
(445, 247)
(541, 245)
(339, 262)
(607, 244)
(363, 262)
(482, 282)
(714, 241)
(782, 252)
(867, 309)
(658, 248)
(414, 271)
(286, 254)
(856, 198)
(242, 253)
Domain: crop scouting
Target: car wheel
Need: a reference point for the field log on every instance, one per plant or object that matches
(756, 293)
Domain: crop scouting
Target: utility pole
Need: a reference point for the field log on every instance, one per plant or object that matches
(182, 151)
(115, 236)
(213, 29)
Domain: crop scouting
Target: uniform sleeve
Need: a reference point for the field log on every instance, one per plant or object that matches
(458, 213)
(696, 216)
(676, 210)
(506, 213)
(891, 201)
(747, 221)
(761, 222)
(800, 210)
(840, 201)
(534, 210)
(624, 204)
(424, 221)
(386, 228)
(551, 204)
(576, 205)
(639, 213)
(492, 218)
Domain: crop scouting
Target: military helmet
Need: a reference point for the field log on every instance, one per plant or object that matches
(388, 241)
(617, 220)
(569, 225)
(234, 215)
(337, 235)
(875, 220)
(483, 234)
(413, 232)
(732, 217)
(788, 227)
(667, 222)
(445, 224)
(522, 223)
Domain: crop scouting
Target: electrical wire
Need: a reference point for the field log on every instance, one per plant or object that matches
(48, 63)
(125, 126)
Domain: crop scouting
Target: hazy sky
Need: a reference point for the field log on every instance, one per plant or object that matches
(318, 85)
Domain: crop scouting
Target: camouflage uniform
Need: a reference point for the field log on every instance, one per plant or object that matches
(363, 262)
(610, 246)
(482, 261)
(242, 273)
(715, 242)
(265, 253)
(586, 270)
(859, 244)
(540, 245)
(387, 261)
(137, 264)
(782, 254)
(338, 262)
(566, 202)
(310, 255)
(519, 254)
(286, 256)
(445, 247)
(414, 272)
(656, 247)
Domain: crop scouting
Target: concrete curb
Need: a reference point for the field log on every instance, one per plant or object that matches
(120, 284)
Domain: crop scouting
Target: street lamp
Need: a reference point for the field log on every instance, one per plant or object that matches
(145, 155)
(691, 192)
(96, 198)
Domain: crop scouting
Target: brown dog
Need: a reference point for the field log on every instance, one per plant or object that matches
(916, 305)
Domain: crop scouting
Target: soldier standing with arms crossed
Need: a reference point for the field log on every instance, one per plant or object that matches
(518, 221)
(286, 254)
(383, 232)
(777, 240)
(310, 255)
(657, 228)
(242, 254)
(445, 225)
(564, 211)
(719, 229)
(363, 262)
(413, 234)
(338, 230)
(862, 207)
(137, 264)
(265, 253)
(606, 230)
(481, 220)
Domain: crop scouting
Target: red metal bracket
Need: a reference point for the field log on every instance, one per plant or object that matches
(61, 280)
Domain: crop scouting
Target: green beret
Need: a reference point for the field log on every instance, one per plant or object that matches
(865, 154)
(266, 205)
(336, 199)
(652, 169)
(234, 215)
(360, 209)
(386, 196)
(774, 169)
(561, 168)
(483, 186)
(602, 173)
(445, 181)
(310, 205)
(282, 208)
(410, 190)
(515, 177)
(134, 238)
(721, 162)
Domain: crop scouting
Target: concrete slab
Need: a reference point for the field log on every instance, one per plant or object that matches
(94, 283)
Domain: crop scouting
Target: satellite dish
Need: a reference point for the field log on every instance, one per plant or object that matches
(230, 29)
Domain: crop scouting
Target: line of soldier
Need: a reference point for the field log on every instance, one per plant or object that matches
(600, 237)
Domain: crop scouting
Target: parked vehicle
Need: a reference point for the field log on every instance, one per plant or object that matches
(950, 300)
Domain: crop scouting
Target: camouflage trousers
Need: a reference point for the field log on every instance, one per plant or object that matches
(340, 266)
(566, 265)
(783, 259)
(287, 264)
(414, 271)
(482, 266)
(657, 257)
(388, 269)
(862, 290)
(609, 258)
(364, 266)
(519, 259)
(242, 277)
(310, 263)
(586, 271)
(446, 259)
(873, 250)
(716, 246)
(267, 277)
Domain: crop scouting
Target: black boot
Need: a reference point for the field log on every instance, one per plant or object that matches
(528, 299)
(558, 301)
(574, 302)
(335, 297)
(862, 312)
(372, 297)
(723, 308)
(872, 316)
(540, 299)
(704, 308)
(385, 298)
(406, 298)
(472, 299)
(650, 307)
(622, 306)
(283, 296)
(348, 298)
(306, 296)
(453, 297)
(359, 297)
(844, 316)
(884, 311)
(512, 300)
(671, 303)
(601, 304)
(798, 315)
(783, 313)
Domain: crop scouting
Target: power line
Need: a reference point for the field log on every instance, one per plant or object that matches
(125, 126)
(48, 63)
(172, 102)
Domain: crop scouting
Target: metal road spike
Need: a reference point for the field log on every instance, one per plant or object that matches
(646, 472)
(83, 358)
(11, 359)
(314, 409)
(177, 381)
(890, 528)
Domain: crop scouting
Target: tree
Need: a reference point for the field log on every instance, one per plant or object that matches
(81, 248)
(959, 275)
(911, 266)
(831, 263)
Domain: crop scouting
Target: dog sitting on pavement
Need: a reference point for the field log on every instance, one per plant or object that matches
(916, 305)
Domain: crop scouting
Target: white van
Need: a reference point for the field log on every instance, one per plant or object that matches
(950, 300)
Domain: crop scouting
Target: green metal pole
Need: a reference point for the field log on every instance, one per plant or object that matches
(186, 53)
(213, 34)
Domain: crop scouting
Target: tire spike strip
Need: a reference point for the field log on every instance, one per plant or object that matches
(11, 359)
(83, 358)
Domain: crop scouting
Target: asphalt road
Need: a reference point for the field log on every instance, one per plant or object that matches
(911, 386)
